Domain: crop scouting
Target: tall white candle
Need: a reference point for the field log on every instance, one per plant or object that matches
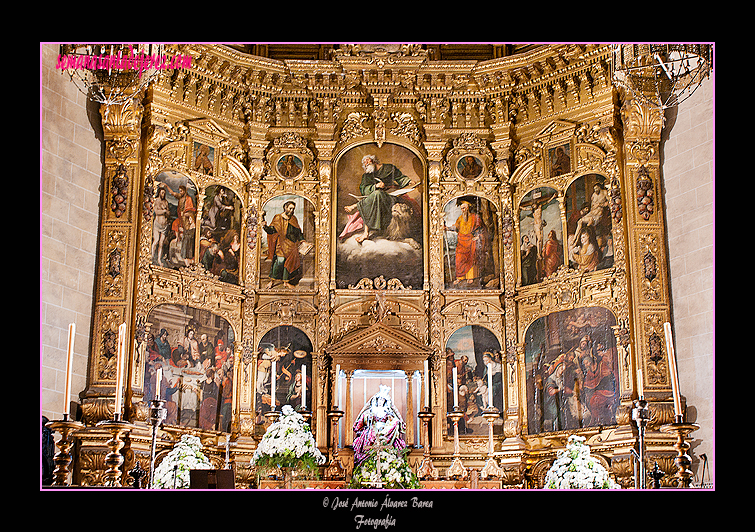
(119, 371)
(338, 383)
(456, 389)
(427, 385)
(158, 382)
(490, 385)
(673, 369)
(640, 387)
(69, 370)
(304, 387)
(272, 386)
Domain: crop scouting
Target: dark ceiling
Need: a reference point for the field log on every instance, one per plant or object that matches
(437, 52)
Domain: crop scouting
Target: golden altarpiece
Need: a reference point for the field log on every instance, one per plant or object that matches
(526, 251)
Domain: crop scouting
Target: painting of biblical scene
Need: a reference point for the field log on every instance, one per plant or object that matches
(194, 350)
(287, 351)
(541, 249)
(470, 244)
(287, 255)
(220, 229)
(379, 216)
(474, 352)
(559, 159)
(589, 241)
(572, 370)
(174, 220)
(204, 158)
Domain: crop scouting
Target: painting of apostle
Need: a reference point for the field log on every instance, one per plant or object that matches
(174, 220)
(471, 244)
(379, 216)
(571, 362)
(287, 256)
(541, 233)
(589, 241)
(288, 350)
(220, 242)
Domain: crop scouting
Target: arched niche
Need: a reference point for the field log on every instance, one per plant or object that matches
(589, 223)
(289, 350)
(469, 350)
(287, 248)
(541, 235)
(393, 247)
(194, 351)
(220, 228)
(471, 243)
(571, 370)
(174, 220)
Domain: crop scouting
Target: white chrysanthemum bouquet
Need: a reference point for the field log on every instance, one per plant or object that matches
(173, 471)
(385, 467)
(574, 468)
(288, 443)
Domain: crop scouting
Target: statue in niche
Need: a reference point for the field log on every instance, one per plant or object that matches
(378, 423)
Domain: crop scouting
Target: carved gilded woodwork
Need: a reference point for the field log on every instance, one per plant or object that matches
(488, 131)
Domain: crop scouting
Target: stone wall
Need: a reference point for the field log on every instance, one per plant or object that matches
(70, 146)
(689, 173)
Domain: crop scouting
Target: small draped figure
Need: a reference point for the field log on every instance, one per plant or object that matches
(379, 422)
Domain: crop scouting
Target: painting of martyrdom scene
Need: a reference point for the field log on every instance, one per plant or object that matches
(541, 249)
(174, 225)
(287, 256)
(379, 216)
(559, 159)
(572, 370)
(204, 158)
(289, 351)
(469, 350)
(470, 244)
(220, 230)
(589, 241)
(194, 350)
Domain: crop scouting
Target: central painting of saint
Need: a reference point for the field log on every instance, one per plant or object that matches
(380, 221)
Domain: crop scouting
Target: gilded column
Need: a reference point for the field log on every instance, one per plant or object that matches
(650, 291)
(117, 256)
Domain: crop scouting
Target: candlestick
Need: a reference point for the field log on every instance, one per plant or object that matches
(272, 386)
(119, 368)
(491, 469)
(673, 370)
(683, 461)
(640, 387)
(69, 371)
(158, 383)
(490, 385)
(338, 383)
(457, 468)
(426, 469)
(304, 387)
(63, 457)
(157, 414)
(427, 385)
(456, 389)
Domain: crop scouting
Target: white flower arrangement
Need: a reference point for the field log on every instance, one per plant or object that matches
(173, 471)
(288, 443)
(384, 467)
(574, 468)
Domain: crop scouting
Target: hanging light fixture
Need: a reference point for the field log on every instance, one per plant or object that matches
(112, 73)
(662, 75)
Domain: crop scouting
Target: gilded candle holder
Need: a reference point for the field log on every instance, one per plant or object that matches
(63, 457)
(683, 460)
(427, 469)
(335, 469)
(641, 416)
(114, 459)
(457, 468)
(491, 469)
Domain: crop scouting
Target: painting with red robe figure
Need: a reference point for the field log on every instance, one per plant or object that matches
(193, 351)
(571, 362)
(589, 241)
(470, 244)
